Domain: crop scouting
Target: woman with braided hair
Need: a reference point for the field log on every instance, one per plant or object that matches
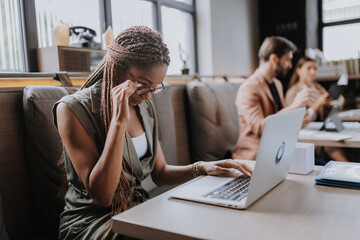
(108, 129)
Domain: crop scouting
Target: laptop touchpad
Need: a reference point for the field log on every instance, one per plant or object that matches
(211, 181)
(200, 187)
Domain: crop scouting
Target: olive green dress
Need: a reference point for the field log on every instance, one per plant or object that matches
(82, 218)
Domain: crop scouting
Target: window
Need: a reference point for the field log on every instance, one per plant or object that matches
(340, 29)
(178, 34)
(11, 56)
(127, 13)
(74, 13)
(26, 25)
(339, 10)
(174, 19)
(342, 42)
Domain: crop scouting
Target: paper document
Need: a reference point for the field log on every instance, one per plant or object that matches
(315, 125)
(347, 125)
(351, 115)
(343, 80)
(331, 125)
(320, 135)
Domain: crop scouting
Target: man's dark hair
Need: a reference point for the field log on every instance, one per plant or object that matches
(277, 45)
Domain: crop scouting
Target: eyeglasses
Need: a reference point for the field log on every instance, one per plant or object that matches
(142, 89)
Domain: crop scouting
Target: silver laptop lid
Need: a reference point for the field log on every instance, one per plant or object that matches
(275, 152)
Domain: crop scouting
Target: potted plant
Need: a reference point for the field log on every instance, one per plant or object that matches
(183, 57)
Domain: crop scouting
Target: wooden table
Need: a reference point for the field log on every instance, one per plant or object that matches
(354, 142)
(296, 209)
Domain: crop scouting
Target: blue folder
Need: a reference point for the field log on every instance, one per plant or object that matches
(336, 182)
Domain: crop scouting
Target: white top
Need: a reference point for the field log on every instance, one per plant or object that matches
(140, 144)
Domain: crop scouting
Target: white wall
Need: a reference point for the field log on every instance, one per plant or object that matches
(233, 45)
(204, 38)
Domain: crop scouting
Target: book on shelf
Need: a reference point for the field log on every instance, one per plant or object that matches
(332, 69)
(340, 174)
(352, 66)
(336, 68)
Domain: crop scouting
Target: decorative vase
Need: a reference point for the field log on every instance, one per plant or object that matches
(107, 37)
(62, 34)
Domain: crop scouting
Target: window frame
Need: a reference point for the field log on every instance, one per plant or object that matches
(322, 25)
(29, 28)
(182, 7)
(189, 8)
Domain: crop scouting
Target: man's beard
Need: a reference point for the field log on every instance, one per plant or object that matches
(280, 71)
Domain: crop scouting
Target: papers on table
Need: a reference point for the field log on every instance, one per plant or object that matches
(347, 125)
(320, 135)
(350, 113)
(331, 125)
(315, 125)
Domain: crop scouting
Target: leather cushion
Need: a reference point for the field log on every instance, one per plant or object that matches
(44, 149)
(165, 116)
(214, 125)
(181, 107)
(167, 137)
(3, 234)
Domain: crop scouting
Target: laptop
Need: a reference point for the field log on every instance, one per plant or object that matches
(273, 161)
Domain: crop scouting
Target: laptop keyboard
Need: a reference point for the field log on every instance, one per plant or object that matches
(234, 190)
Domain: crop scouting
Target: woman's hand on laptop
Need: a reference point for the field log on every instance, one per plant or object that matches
(225, 168)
